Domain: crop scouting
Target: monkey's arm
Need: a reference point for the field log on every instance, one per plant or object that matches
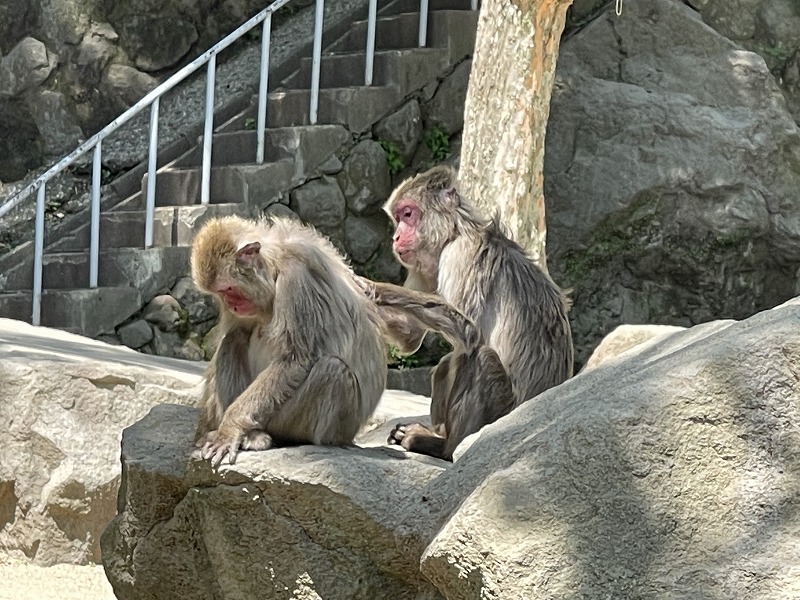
(227, 376)
(401, 308)
(255, 406)
(406, 332)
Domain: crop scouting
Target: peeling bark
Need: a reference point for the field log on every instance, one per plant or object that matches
(507, 105)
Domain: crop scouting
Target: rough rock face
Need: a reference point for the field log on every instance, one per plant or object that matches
(672, 470)
(64, 400)
(671, 175)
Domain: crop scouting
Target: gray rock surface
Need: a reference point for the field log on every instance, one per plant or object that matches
(154, 42)
(330, 538)
(59, 131)
(65, 401)
(671, 470)
(164, 311)
(173, 345)
(135, 334)
(446, 108)
(365, 179)
(671, 175)
(402, 128)
(26, 66)
(363, 235)
(199, 307)
(673, 476)
(126, 86)
(319, 202)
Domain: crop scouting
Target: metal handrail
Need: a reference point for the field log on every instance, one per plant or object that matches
(152, 99)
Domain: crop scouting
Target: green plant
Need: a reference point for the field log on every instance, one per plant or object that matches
(779, 53)
(403, 361)
(438, 142)
(393, 157)
(249, 123)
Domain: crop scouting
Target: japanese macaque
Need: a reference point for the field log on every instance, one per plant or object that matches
(302, 359)
(523, 342)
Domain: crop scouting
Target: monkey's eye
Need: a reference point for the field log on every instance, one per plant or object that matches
(407, 212)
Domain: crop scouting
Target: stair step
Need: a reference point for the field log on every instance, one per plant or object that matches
(356, 108)
(125, 228)
(411, 6)
(396, 32)
(409, 68)
(89, 311)
(150, 271)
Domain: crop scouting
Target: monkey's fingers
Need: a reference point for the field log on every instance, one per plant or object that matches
(218, 454)
(397, 434)
(204, 439)
(367, 286)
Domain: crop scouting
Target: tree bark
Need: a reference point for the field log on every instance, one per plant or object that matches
(505, 115)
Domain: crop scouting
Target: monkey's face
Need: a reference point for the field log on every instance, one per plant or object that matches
(249, 290)
(416, 243)
(404, 243)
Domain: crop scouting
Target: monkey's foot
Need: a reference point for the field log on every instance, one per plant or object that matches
(404, 434)
(415, 437)
(256, 440)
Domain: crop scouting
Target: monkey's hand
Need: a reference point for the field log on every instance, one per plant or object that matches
(367, 286)
(214, 447)
(218, 445)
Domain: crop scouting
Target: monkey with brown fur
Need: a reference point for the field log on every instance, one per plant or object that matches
(301, 359)
(523, 342)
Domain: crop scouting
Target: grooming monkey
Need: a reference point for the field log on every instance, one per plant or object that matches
(523, 342)
(301, 359)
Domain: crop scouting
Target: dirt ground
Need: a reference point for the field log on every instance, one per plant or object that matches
(22, 581)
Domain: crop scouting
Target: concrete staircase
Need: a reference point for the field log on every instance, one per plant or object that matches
(129, 275)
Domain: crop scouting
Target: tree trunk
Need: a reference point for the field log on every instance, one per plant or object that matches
(505, 116)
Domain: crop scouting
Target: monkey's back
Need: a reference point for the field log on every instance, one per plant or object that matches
(337, 319)
(519, 310)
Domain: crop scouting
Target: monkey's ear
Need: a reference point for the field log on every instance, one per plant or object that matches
(246, 255)
(450, 197)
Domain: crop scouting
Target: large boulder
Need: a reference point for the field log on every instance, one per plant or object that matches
(64, 401)
(671, 175)
(626, 337)
(671, 470)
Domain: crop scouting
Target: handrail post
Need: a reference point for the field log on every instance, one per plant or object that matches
(316, 62)
(152, 166)
(140, 105)
(371, 24)
(94, 236)
(474, 5)
(208, 132)
(423, 22)
(38, 252)
(261, 120)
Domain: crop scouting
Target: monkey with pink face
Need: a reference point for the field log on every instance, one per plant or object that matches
(301, 359)
(465, 274)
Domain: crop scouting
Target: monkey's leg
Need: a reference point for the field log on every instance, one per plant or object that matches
(247, 417)
(442, 383)
(481, 394)
(468, 392)
(415, 437)
(325, 410)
